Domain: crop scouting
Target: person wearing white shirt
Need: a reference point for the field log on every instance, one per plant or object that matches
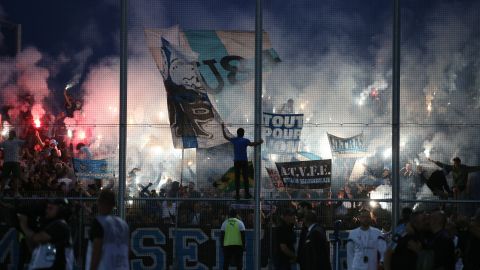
(169, 212)
(108, 244)
(365, 246)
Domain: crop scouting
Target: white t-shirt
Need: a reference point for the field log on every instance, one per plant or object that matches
(168, 210)
(362, 248)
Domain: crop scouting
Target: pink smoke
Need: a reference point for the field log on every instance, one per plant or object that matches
(25, 87)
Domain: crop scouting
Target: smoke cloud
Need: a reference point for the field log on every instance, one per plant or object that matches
(336, 66)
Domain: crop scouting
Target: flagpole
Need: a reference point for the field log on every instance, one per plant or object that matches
(175, 261)
(258, 130)
(181, 168)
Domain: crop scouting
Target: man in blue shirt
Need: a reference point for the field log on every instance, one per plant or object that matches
(240, 160)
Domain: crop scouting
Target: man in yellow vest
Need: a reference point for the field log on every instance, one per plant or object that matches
(233, 240)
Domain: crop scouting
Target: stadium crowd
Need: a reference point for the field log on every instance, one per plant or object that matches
(36, 161)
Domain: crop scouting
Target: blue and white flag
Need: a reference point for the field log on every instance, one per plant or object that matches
(347, 147)
(90, 168)
(206, 75)
(282, 132)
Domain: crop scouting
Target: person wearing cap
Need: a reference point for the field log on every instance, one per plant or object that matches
(108, 244)
(365, 245)
(233, 240)
(11, 160)
(52, 243)
(284, 241)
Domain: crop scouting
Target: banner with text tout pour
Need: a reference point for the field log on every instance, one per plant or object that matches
(282, 132)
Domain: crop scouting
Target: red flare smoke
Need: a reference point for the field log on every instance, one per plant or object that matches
(37, 123)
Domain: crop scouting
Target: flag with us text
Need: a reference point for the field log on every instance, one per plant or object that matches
(207, 76)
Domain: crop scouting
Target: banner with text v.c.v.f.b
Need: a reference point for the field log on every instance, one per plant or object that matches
(205, 74)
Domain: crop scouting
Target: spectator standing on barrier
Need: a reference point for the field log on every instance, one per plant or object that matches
(233, 240)
(11, 165)
(460, 176)
(108, 245)
(53, 242)
(284, 241)
(240, 160)
(315, 251)
(366, 245)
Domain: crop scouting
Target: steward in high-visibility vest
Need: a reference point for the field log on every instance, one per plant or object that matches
(233, 240)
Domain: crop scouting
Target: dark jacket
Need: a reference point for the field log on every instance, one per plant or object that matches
(315, 250)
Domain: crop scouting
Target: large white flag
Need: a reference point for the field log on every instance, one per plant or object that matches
(205, 74)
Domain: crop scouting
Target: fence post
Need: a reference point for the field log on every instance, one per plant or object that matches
(123, 109)
(258, 130)
(396, 114)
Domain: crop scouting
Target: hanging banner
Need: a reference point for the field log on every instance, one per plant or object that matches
(193, 120)
(282, 132)
(275, 177)
(204, 71)
(347, 147)
(89, 168)
(314, 174)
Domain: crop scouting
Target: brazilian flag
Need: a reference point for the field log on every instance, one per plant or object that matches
(226, 183)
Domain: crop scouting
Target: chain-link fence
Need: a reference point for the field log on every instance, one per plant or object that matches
(327, 118)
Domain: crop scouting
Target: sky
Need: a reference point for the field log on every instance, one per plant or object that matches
(333, 54)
